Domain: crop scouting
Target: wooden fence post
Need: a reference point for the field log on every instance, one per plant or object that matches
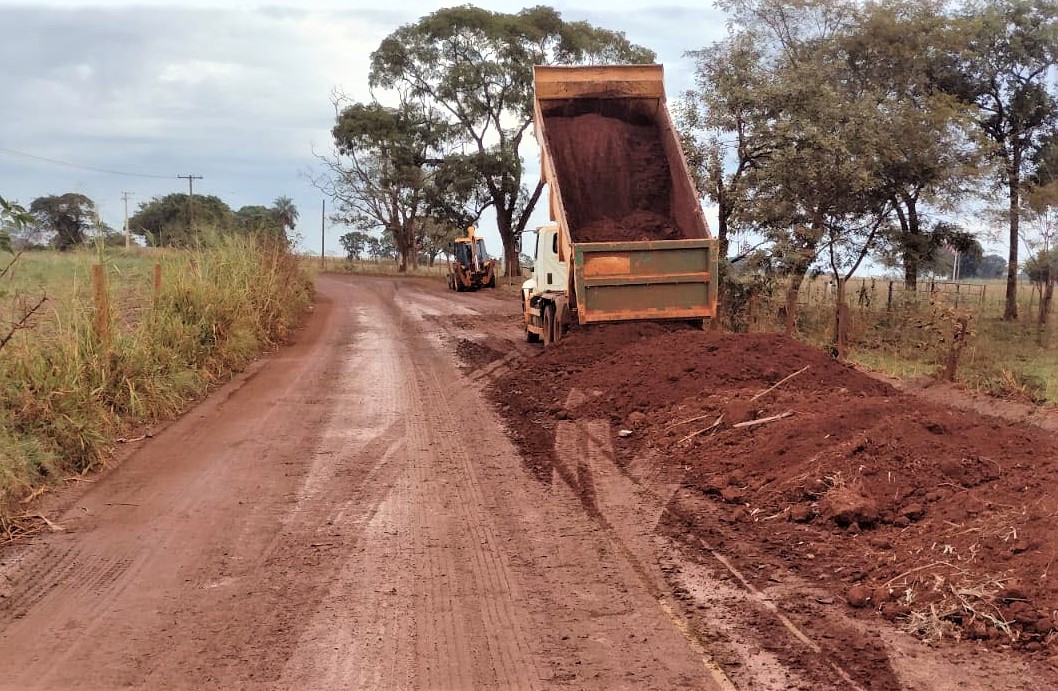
(102, 304)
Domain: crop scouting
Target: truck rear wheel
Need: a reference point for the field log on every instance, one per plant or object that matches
(549, 325)
(561, 323)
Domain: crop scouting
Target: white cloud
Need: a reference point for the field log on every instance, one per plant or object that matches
(195, 72)
(238, 92)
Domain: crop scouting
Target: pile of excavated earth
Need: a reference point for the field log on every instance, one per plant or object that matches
(616, 181)
(941, 521)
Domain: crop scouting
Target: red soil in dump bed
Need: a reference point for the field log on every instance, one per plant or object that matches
(943, 521)
(614, 177)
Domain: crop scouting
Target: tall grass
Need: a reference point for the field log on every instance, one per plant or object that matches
(68, 390)
(374, 267)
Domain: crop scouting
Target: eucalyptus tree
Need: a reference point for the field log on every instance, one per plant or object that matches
(1006, 70)
(476, 66)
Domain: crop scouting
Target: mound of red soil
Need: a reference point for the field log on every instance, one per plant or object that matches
(942, 520)
(615, 177)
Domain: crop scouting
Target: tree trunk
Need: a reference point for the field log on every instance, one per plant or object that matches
(1010, 312)
(721, 230)
(840, 318)
(911, 228)
(1046, 298)
(797, 277)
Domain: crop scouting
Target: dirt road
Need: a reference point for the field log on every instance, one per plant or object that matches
(350, 514)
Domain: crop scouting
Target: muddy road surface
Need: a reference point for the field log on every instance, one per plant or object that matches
(347, 514)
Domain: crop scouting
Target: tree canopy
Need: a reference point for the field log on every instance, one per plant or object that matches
(836, 128)
(69, 216)
(475, 67)
(165, 221)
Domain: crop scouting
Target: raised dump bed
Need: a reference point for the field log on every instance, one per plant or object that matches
(629, 221)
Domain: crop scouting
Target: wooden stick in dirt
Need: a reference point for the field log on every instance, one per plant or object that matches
(763, 420)
(692, 435)
(779, 383)
(684, 422)
(54, 527)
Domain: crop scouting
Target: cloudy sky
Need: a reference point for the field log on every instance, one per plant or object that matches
(237, 92)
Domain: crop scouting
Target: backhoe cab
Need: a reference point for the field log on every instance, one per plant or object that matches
(471, 266)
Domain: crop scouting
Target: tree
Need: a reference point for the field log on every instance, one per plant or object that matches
(286, 212)
(477, 67)
(383, 169)
(355, 243)
(438, 238)
(723, 125)
(1011, 48)
(924, 152)
(13, 219)
(163, 221)
(382, 247)
(69, 216)
(817, 187)
(257, 220)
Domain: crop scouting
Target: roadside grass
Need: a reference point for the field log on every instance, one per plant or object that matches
(373, 267)
(75, 379)
(910, 335)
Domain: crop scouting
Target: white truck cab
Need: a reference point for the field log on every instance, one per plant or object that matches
(544, 303)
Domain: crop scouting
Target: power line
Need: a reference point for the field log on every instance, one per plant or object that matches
(77, 165)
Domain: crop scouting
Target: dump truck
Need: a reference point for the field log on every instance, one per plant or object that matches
(471, 267)
(627, 238)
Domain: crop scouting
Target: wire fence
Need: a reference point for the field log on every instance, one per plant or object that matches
(982, 298)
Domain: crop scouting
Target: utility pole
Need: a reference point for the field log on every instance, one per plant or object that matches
(191, 203)
(323, 231)
(128, 236)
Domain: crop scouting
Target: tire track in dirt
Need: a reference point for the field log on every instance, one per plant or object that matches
(351, 514)
(427, 563)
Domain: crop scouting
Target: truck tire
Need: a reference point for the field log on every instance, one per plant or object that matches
(531, 336)
(561, 323)
(549, 325)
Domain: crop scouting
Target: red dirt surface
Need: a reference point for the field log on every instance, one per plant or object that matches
(616, 182)
(939, 520)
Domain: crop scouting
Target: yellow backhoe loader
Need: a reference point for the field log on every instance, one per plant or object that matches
(471, 266)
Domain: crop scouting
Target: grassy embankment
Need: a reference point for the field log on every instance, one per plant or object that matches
(75, 380)
(911, 335)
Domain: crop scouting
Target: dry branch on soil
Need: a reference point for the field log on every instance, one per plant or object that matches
(702, 430)
(779, 383)
(763, 420)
